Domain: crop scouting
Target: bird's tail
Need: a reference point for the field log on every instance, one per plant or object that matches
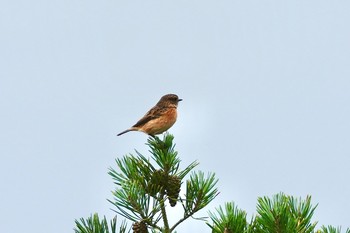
(125, 131)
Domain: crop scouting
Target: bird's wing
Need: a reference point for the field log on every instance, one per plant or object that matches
(154, 113)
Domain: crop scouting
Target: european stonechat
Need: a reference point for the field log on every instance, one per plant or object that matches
(160, 118)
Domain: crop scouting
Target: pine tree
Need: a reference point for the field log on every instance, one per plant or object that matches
(279, 214)
(147, 187)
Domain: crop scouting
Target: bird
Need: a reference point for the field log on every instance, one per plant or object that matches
(159, 118)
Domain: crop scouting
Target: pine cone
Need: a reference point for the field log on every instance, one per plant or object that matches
(173, 189)
(158, 180)
(139, 227)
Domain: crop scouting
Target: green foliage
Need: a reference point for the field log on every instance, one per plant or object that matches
(279, 214)
(145, 186)
(94, 225)
(231, 219)
(200, 191)
(331, 229)
(285, 214)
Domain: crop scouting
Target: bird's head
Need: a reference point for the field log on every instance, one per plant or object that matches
(169, 99)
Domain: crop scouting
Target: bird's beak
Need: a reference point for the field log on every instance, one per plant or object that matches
(179, 100)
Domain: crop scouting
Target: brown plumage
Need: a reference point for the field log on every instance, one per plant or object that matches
(160, 118)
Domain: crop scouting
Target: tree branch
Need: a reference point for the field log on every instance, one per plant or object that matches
(164, 215)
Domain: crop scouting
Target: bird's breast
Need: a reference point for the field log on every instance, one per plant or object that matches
(161, 123)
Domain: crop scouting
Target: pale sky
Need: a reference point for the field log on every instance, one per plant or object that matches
(266, 101)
